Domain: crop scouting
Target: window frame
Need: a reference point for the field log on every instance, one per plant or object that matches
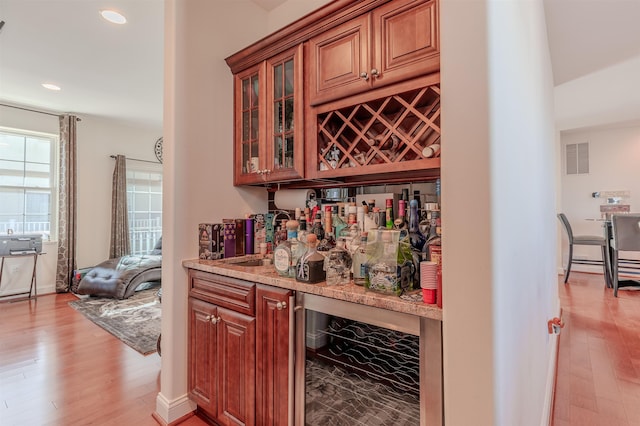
(52, 189)
(142, 167)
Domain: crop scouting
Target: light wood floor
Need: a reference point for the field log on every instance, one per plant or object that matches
(58, 368)
(599, 360)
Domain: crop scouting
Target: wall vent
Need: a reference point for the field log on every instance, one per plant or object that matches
(577, 158)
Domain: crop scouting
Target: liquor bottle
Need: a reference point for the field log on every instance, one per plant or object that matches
(337, 222)
(317, 228)
(338, 265)
(408, 262)
(389, 213)
(401, 220)
(302, 230)
(360, 267)
(382, 273)
(310, 266)
(329, 240)
(416, 237)
(286, 253)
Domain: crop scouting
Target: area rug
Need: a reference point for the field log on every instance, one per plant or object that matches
(135, 321)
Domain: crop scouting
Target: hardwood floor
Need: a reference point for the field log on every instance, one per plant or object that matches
(599, 355)
(58, 368)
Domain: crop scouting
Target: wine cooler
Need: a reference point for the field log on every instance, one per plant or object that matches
(359, 365)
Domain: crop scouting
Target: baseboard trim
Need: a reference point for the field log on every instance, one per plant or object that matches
(552, 378)
(170, 413)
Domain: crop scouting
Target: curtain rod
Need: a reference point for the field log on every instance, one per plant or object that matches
(137, 159)
(36, 111)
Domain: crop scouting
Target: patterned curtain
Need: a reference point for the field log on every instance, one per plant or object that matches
(119, 213)
(66, 204)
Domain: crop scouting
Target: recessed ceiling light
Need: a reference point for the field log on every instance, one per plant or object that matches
(50, 86)
(113, 16)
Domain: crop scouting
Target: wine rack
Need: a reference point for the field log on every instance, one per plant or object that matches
(382, 355)
(398, 131)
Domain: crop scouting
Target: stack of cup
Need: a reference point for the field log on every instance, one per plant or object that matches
(429, 281)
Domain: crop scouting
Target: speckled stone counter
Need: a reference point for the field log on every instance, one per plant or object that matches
(351, 293)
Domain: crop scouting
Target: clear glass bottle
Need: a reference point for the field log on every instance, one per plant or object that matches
(338, 265)
(337, 222)
(286, 253)
(310, 266)
(360, 260)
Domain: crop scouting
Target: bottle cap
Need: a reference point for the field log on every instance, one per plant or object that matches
(292, 225)
(312, 238)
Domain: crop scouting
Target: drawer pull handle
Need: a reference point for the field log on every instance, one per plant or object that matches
(281, 305)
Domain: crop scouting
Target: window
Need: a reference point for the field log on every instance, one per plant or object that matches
(28, 194)
(144, 199)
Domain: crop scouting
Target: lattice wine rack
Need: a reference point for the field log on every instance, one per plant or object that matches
(393, 130)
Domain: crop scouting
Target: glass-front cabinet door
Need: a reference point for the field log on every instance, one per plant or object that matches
(268, 120)
(249, 125)
(285, 159)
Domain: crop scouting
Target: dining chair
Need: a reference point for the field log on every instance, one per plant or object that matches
(583, 240)
(626, 237)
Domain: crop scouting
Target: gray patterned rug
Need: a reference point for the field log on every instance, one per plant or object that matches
(135, 321)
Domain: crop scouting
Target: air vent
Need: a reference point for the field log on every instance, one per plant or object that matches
(577, 158)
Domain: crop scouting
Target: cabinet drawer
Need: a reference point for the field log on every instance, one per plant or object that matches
(227, 292)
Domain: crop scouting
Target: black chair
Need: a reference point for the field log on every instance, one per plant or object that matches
(626, 237)
(584, 240)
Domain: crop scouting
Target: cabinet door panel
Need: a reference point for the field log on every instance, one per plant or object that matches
(249, 125)
(285, 107)
(236, 368)
(202, 355)
(273, 356)
(338, 57)
(406, 40)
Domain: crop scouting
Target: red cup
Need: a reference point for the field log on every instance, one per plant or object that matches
(429, 295)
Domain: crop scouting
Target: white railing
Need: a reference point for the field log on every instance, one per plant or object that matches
(43, 228)
(143, 235)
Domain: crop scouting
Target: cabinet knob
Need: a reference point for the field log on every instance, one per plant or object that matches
(215, 320)
(281, 305)
(364, 76)
(374, 72)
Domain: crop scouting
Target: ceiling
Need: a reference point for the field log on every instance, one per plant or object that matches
(115, 71)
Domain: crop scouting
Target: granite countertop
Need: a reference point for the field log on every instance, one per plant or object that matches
(266, 274)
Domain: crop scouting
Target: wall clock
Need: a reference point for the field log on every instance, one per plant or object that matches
(157, 148)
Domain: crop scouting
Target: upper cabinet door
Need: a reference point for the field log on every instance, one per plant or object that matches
(339, 61)
(406, 40)
(250, 120)
(285, 117)
(395, 42)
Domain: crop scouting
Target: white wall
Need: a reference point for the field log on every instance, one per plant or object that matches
(498, 204)
(198, 172)
(614, 153)
(98, 139)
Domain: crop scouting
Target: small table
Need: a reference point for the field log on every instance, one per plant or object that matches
(33, 288)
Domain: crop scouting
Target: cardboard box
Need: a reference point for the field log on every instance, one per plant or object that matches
(229, 231)
(210, 241)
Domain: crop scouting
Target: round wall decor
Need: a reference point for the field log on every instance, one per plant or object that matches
(157, 148)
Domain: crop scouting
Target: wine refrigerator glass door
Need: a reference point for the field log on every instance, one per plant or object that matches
(357, 365)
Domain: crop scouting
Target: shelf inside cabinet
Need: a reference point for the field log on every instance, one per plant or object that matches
(390, 130)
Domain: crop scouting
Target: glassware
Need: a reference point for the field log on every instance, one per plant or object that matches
(360, 260)
(338, 265)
